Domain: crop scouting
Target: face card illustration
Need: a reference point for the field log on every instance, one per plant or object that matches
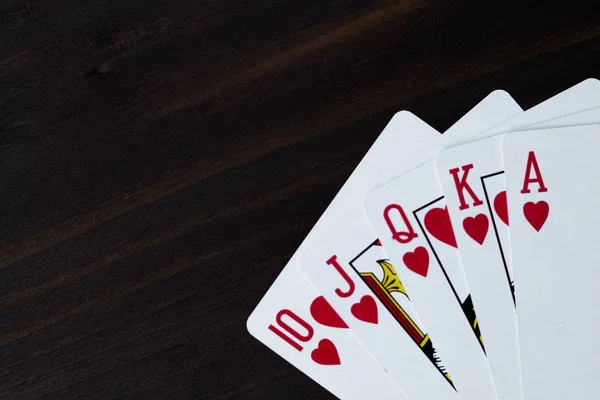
(472, 181)
(303, 328)
(551, 184)
(376, 271)
(352, 271)
(410, 218)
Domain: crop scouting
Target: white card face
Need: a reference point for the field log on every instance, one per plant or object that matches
(407, 353)
(405, 142)
(552, 197)
(410, 218)
(472, 183)
(582, 96)
(305, 330)
(352, 269)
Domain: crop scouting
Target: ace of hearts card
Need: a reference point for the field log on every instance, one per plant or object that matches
(552, 199)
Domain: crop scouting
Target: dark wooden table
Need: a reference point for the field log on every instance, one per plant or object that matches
(161, 161)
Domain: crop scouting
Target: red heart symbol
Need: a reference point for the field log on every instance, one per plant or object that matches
(501, 206)
(323, 313)
(365, 310)
(417, 261)
(536, 213)
(477, 227)
(326, 353)
(437, 222)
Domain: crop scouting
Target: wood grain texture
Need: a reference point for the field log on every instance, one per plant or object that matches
(161, 160)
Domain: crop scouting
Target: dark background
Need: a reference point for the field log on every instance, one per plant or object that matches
(161, 160)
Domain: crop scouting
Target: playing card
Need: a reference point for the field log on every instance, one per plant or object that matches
(410, 218)
(472, 185)
(472, 178)
(405, 141)
(305, 330)
(365, 289)
(552, 197)
(395, 335)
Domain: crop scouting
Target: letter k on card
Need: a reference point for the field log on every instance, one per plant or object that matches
(474, 223)
(472, 178)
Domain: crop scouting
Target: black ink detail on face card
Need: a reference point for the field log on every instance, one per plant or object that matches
(386, 289)
(497, 207)
(445, 234)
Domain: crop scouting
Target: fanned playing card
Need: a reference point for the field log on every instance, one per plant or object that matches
(300, 325)
(552, 201)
